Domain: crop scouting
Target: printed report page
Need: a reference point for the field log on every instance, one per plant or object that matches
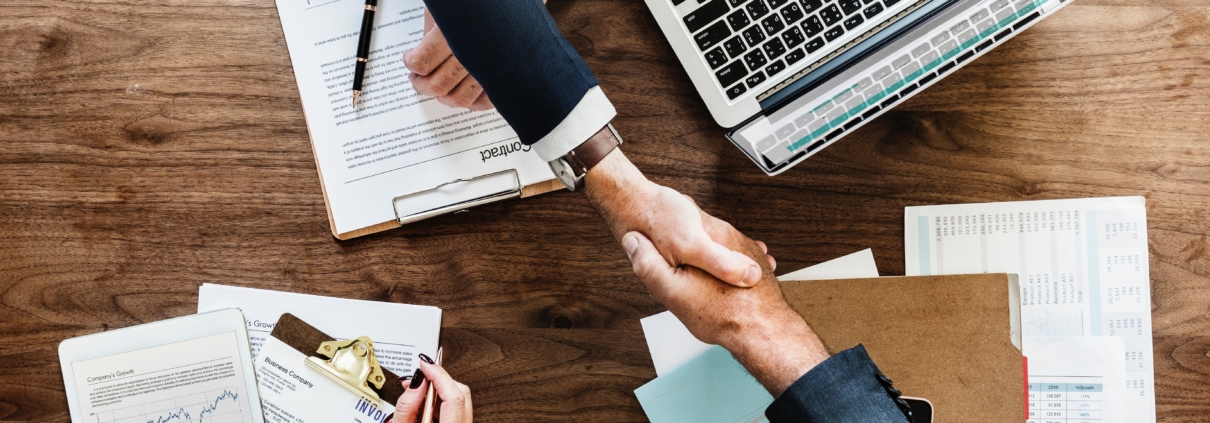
(200, 380)
(1082, 263)
(395, 141)
(293, 393)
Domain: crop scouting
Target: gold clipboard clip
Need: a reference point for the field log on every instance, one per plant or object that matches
(512, 191)
(351, 364)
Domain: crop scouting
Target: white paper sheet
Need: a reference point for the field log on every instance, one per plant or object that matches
(396, 142)
(672, 345)
(1083, 267)
(400, 331)
(293, 393)
(1078, 380)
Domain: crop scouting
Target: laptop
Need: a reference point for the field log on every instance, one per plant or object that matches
(789, 77)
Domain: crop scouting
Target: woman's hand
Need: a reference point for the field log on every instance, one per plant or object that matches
(454, 397)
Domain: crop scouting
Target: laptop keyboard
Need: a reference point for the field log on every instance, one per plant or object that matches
(746, 42)
(818, 120)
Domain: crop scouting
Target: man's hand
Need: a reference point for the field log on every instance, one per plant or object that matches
(756, 324)
(436, 72)
(683, 233)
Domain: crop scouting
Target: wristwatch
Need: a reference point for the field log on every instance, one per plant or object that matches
(571, 168)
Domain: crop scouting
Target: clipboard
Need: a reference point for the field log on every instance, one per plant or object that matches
(460, 195)
(307, 339)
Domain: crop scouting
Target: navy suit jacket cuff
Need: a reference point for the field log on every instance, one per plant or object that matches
(842, 389)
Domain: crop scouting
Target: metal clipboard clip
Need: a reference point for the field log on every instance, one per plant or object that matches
(352, 365)
(457, 195)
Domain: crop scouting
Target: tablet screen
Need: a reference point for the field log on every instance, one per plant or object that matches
(196, 380)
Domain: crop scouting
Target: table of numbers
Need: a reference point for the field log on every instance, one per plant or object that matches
(1056, 401)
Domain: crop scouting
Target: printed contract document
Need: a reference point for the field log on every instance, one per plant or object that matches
(395, 141)
(1083, 267)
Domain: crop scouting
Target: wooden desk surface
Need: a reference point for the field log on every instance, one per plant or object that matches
(148, 147)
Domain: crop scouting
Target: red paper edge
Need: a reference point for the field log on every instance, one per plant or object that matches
(1025, 369)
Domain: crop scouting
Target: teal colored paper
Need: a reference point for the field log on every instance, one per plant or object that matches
(713, 387)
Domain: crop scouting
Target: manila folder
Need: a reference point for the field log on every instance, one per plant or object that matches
(948, 339)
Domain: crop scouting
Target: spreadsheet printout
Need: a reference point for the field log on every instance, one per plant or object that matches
(1082, 263)
(1077, 380)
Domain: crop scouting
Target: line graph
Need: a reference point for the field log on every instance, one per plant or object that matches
(214, 406)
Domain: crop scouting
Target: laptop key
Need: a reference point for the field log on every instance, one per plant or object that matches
(736, 91)
(777, 3)
(783, 132)
(774, 68)
(882, 73)
(940, 38)
(792, 13)
(834, 33)
(841, 98)
(757, 8)
(980, 15)
(872, 11)
(810, 6)
(774, 49)
(766, 143)
(966, 36)
(863, 84)
(898, 63)
(735, 47)
(929, 58)
(831, 15)
(961, 26)
(755, 59)
(773, 24)
(921, 50)
(755, 79)
(706, 14)
(794, 56)
(850, 6)
(812, 26)
(731, 73)
(793, 37)
(737, 3)
(985, 25)
(949, 46)
(753, 36)
(852, 22)
(803, 120)
(677, 2)
(716, 58)
(738, 20)
(911, 68)
(890, 3)
(712, 35)
(814, 45)
(999, 4)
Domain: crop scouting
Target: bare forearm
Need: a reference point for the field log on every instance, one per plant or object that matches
(777, 351)
(618, 190)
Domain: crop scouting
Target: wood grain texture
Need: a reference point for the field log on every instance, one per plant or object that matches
(147, 147)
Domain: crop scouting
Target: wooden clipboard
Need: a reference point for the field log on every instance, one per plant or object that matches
(306, 338)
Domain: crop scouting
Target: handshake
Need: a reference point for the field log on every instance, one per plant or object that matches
(716, 280)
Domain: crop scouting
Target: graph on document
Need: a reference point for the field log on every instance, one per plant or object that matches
(1042, 322)
(215, 406)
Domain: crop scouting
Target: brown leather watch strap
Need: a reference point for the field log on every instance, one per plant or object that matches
(592, 151)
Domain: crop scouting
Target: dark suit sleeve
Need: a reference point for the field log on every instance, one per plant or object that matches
(536, 80)
(842, 389)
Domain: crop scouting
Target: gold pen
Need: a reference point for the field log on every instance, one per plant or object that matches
(430, 397)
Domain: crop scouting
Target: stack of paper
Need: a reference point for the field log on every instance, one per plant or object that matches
(1083, 267)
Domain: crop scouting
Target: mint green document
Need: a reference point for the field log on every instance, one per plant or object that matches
(713, 387)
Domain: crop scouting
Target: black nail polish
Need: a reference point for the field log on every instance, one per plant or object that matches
(417, 379)
(405, 378)
(426, 359)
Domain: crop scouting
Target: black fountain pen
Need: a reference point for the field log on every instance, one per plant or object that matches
(363, 48)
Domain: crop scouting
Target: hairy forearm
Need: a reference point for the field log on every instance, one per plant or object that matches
(777, 350)
(618, 190)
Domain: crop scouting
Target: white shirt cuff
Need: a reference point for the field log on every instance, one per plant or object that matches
(590, 115)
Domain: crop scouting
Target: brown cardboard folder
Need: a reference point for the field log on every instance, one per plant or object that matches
(949, 339)
(305, 338)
